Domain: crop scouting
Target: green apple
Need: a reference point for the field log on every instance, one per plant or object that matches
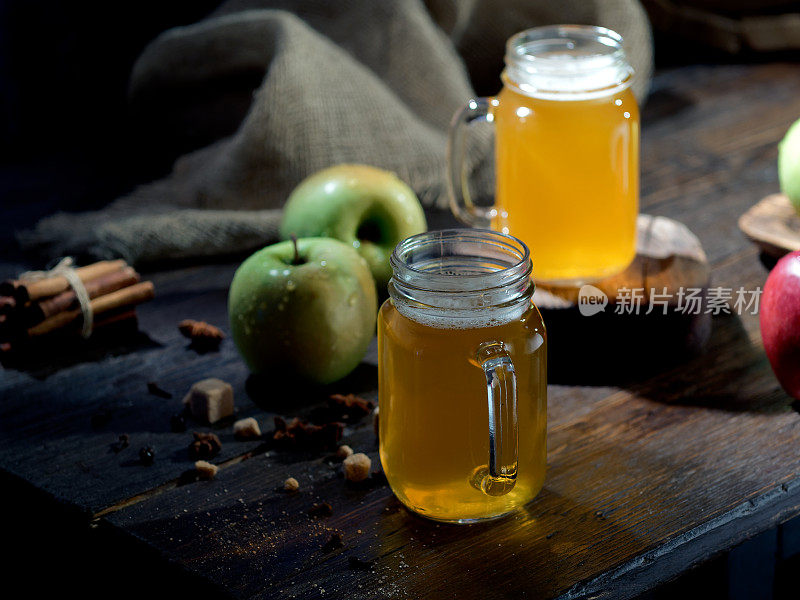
(305, 310)
(363, 206)
(789, 164)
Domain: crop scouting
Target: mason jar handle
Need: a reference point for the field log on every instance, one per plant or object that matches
(501, 387)
(465, 210)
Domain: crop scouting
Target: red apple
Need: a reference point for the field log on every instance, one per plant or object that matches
(780, 322)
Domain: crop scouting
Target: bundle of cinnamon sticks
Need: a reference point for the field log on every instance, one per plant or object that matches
(33, 311)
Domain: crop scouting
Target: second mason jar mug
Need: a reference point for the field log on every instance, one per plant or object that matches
(462, 376)
(566, 153)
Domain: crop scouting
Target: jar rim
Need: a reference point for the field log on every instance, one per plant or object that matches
(571, 59)
(447, 275)
(450, 267)
(514, 244)
(606, 38)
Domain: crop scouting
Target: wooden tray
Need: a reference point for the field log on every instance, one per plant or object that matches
(773, 224)
(612, 345)
(667, 255)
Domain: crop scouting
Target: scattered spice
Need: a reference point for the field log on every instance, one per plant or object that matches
(356, 467)
(205, 470)
(349, 407)
(177, 423)
(334, 542)
(359, 564)
(342, 407)
(154, 389)
(204, 336)
(291, 485)
(344, 451)
(147, 455)
(245, 429)
(123, 441)
(322, 509)
(205, 445)
(301, 434)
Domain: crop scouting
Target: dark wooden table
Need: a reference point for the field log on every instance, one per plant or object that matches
(648, 475)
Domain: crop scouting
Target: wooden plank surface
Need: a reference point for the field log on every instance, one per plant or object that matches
(649, 472)
(59, 420)
(47, 413)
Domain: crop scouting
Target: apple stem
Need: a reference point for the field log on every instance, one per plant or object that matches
(296, 260)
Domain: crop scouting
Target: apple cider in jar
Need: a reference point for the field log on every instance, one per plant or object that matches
(462, 377)
(566, 153)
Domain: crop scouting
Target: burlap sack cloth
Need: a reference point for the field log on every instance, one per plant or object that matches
(366, 81)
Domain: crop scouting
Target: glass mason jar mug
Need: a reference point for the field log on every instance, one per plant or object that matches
(462, 376)
(566, 153)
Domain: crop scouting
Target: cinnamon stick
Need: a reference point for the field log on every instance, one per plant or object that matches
(127, 296)
(51, 286)
(114, 317)
(10, 289)
(117, 317)
(99, 286)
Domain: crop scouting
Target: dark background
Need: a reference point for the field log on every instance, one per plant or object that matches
(69, 141)
(68, 138)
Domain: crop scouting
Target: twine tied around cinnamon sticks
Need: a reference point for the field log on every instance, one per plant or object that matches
(65, 269)
(40, 303)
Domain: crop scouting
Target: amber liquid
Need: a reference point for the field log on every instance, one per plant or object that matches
(568, 182)
(434, 413)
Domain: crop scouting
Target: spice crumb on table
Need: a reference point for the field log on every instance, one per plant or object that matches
(356, 467)
(206, 470)
(248, 428)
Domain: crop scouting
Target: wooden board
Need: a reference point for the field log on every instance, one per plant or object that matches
(773, 225)
(59, 418)
(668, 257)
(657, 472)
(647, 301)
(650, 472)
(98, 395)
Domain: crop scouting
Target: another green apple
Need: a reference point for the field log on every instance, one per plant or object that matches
(307, 310)
(789, 164)
(363, 206)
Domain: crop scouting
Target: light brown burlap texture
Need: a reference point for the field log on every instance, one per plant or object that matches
(363, 81)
